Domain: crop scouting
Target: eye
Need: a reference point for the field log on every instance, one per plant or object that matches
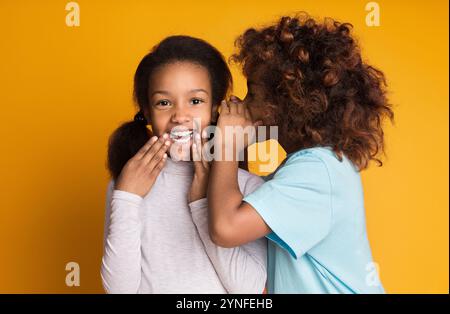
(197, 101)
(163, 103)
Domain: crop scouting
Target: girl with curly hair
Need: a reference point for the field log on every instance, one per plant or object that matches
(308, 79)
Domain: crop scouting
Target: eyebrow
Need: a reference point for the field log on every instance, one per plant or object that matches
(164, 92)
(199, 90)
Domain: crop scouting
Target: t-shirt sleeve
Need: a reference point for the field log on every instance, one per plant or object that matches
(296, 204)
(121, 262)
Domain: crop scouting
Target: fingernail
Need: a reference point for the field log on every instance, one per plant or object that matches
(165, 135)
(154, 138)
(234, 98)
(167, 143)
(197, 136)
(164, 156)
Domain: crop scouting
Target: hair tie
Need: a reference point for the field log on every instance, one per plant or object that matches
(139, 117)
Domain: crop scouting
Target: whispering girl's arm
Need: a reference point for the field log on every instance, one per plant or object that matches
(232, 222)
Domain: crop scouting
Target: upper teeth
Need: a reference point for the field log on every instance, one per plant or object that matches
(181, 136)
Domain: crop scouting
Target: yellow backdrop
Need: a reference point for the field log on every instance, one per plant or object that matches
(65, 89)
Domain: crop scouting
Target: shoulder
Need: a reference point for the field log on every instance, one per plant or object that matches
(324, 154)
(319, 167)
(110, 186)
(248, 182)
(303, 164)
(321, 159)
(110, 189)
(315, 153)
(307, 169)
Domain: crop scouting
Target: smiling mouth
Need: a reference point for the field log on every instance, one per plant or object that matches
(181, 136)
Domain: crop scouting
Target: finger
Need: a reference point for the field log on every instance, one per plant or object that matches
(224, 108)
(204, 140)
(239, 103)
(141, 152)
(258, 123)
(198, 143)
(200, 162)
(204, 136)
(247, 114)
(196, 158)
(205, 164)
(195, 155)
(233, 107)
(159, 155)
(157, 169)
(242, 108)
(155, 148)
(202, 154)
(196, 147)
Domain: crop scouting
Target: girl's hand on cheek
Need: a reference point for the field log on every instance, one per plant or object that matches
(140, 172)
(201, 166)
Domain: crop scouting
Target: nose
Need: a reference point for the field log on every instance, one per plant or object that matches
(181, 115)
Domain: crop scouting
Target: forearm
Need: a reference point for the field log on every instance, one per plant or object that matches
(121, 262)
(224, 196)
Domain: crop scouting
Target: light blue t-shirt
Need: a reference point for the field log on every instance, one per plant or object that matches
(315, 207)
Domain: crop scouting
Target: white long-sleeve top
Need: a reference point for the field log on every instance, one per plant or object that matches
(161, 244)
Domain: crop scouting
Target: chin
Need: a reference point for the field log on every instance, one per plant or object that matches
(181, 150)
